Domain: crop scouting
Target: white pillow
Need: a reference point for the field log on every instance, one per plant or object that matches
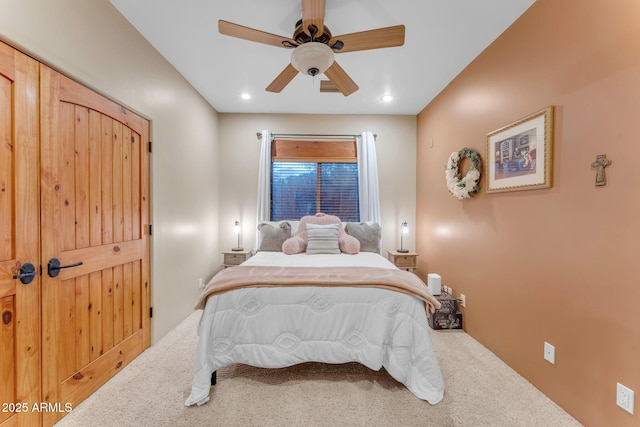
(322, 239)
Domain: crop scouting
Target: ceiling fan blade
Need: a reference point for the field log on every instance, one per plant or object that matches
(246, 33)
(313, 14)
(283, 79)
(371, 39)
(341, 79)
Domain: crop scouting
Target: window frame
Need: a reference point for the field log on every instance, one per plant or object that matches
(318, 152)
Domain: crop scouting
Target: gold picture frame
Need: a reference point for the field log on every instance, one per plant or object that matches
(520, 155)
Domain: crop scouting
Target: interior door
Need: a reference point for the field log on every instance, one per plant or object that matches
(94, 238)
(19, 218)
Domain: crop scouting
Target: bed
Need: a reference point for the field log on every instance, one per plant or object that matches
(278, 326)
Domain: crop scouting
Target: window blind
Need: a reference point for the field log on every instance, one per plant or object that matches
(314, 176)
(305, 188)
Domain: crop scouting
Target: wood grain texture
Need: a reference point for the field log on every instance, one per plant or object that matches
(136, 202)
(107, 180)
(283, 79)
(371, 39)
(19, 218)
(107, 310)
(95, 178)
(313, 151)
(83, 325)
(82, 171)
(90, 217)
(251, 34)
(116, 174)
(7, 353)
(341, 79)
(95, 315)
(127, 183)
(66, 189)
(6, 169)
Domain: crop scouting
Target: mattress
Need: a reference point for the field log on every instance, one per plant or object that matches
(282, 326)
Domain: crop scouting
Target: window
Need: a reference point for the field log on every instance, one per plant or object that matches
(310, 176)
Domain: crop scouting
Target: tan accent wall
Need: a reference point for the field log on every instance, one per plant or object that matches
(559, 264)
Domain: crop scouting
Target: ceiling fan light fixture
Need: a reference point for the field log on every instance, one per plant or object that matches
(312, 58)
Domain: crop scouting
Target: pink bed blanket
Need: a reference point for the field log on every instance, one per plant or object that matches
(269, 276)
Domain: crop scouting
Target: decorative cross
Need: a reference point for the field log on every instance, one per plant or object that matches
(601, 163)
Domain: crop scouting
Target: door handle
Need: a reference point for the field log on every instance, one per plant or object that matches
(27, 273)
(54, 267)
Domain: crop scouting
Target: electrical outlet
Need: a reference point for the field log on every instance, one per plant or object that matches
(624, 398)
(549, 353)
(463, 300)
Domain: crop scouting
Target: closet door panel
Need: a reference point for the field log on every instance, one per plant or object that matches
(19, 219)
(95, 188)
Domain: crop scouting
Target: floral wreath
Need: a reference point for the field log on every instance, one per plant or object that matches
(463, 187)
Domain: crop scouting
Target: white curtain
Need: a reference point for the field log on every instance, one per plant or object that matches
(264, 181)
(368, 178)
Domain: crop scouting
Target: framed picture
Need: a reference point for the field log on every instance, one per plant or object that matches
(519, 155)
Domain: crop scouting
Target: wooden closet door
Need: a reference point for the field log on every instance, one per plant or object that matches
(19, 219)
(94, 218)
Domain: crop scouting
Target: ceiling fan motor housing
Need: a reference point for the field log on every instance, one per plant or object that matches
(312, 58)
(302, 37)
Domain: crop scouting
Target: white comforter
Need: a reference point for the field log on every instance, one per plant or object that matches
(278, 327)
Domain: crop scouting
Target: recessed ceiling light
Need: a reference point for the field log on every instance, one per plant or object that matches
(386, 98)
(245, 96)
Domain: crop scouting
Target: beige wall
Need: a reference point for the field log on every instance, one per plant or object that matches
(559, 264)
(91, 42)
(240, 149)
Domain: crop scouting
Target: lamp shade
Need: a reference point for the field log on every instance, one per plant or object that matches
(312, 58)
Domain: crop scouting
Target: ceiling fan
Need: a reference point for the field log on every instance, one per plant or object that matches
(313, 46)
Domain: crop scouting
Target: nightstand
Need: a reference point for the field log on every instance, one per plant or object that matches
(232, 258)
(404, 261)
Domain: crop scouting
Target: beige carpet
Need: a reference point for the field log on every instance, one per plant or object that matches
(481, 391)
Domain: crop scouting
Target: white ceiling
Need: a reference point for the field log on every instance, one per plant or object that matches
(441, 38)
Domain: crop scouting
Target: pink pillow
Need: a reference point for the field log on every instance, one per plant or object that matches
(349, 244)
(298, 243)
(294, 245)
